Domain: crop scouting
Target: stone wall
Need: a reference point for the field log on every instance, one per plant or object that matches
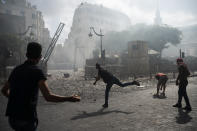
(138, 60)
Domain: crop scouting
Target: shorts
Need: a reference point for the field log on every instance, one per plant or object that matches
(162, 80)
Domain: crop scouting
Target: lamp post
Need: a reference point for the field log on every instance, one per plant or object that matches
(101, 35)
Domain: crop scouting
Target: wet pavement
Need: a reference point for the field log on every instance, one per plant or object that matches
(130, 108)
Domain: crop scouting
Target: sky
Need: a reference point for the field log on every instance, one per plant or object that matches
(175, 13)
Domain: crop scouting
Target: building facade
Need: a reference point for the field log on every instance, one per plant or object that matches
(102, 19)
(33, 19)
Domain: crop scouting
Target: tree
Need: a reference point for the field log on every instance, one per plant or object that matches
(157, 37)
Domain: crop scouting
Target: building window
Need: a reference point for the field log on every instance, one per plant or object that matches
(135, 47)
(33, 16)
(9, 12)
(22, 13)
(33, 25)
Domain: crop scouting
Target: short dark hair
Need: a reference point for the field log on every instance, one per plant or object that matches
(34, 50)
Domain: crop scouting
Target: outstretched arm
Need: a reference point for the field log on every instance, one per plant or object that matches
(5, 89)
(52, 97)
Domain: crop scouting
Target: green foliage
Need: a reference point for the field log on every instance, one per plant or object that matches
(156, 36)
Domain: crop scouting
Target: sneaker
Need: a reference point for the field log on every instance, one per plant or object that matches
(105, 105)
(177, 105)
(188, 108)
(163, 94)
(136, 83)
(156, 95)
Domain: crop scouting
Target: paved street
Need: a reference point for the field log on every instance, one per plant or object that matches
(134, 110)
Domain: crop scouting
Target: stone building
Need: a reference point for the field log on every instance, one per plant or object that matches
(32, 17)
(11, 24)
(21, 19)
(88, 15)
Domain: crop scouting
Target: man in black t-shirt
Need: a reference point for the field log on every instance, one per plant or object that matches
(22, 91)
(109, 79)
(182, 82)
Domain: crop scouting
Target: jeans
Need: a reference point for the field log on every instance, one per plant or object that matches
(110, 84)
(23, 125)
(183, 93)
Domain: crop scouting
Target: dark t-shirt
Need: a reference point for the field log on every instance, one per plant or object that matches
(105, 75)
(23, 96)
(183, 73)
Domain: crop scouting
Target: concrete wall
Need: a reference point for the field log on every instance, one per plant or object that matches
(11, 24)
(138, 60)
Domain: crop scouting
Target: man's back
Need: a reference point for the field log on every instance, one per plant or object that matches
(105, 75)
(24, 91)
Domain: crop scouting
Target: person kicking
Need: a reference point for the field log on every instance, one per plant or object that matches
(109, 79)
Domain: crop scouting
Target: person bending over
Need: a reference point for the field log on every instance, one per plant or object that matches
(162, 79)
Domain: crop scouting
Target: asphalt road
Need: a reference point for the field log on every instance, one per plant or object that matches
(130, 110)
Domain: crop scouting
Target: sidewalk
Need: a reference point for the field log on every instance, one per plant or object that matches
(136, 110)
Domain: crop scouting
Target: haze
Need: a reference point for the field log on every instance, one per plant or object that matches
(173, 12)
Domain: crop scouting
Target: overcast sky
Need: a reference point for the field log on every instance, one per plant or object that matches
(173, 12)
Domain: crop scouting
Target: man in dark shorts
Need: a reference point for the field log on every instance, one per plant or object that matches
(109, 79)
(162, 79)
(182, 82)
(22, 90)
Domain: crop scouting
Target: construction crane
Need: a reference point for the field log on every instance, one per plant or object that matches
(49, 51)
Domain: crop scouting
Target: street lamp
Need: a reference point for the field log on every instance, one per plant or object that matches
(101, 35)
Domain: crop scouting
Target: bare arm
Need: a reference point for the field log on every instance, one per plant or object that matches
(97, 79)
(5, 89)
(50, 97)
(180, 70)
